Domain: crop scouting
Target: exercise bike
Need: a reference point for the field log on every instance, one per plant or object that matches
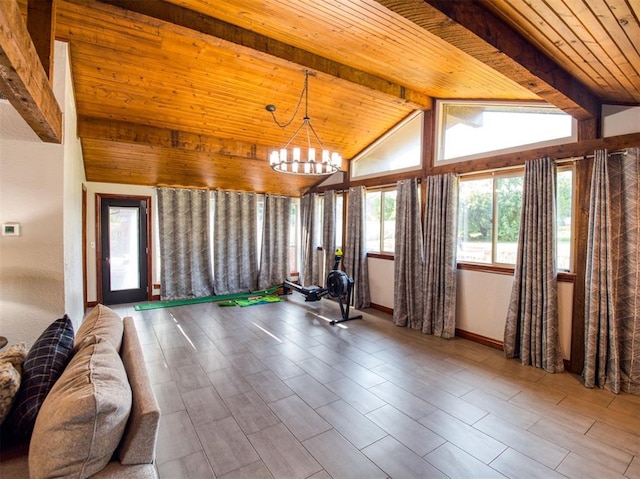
(339, 286)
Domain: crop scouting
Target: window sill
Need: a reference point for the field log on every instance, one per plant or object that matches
(563, 276)
(386, 256)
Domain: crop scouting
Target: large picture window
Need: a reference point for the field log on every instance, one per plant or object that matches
(489, 218)
(469, 130)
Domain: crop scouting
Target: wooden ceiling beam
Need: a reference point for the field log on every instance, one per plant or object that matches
(126, 132)
(248, 39)
(478, 32)
(41, 24)
(23, 79)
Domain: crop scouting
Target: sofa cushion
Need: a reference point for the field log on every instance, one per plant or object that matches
(84, 415)
(138, 445)
(104, 323)
(44, 364)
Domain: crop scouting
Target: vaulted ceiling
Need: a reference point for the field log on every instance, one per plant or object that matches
(173, 92)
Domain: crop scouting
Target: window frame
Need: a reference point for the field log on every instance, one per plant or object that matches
(507, 173)
(382, 191)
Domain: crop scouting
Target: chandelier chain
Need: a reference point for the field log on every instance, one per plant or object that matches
(303, 94)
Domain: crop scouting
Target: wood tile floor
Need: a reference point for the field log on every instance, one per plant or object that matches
(276, 391)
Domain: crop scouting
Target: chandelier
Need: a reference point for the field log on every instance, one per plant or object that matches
(299, 160)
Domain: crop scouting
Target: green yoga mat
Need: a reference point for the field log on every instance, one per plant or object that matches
(207, 299)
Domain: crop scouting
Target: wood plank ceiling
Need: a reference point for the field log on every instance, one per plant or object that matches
(173, 92)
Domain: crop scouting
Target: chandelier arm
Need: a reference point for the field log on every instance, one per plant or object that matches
(294, 135)
(316, 135)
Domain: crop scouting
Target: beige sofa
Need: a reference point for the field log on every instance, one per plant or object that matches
(119, 441)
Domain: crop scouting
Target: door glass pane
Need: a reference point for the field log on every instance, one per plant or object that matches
(123, 248)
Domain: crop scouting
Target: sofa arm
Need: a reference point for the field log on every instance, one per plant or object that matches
(138, 444)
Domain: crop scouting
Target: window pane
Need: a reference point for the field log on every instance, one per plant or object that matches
(508, 208)
(372, 224)
(564, 211)
(474, 220)
(339, 216)
(124, 233)
(473, 128)
(400, 148)
(294, 234)
(389, 224)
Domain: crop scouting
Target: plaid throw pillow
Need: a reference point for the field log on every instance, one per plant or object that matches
(44, 364)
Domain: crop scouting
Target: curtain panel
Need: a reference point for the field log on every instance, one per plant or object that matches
(441, 230)
(355, 254)
(408, 270)
(531, 330)
(329, 230)
(274, 256)
(310, 267)
(235, 245)
(612, 280)
(185, 246)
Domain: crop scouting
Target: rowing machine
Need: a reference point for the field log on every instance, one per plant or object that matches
(339, 286)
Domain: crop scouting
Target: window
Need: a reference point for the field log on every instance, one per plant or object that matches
(400, 149)
(489, 211)
(564, 229)
(468, 130)
(380, 227)
(294, 235)
(339, 219)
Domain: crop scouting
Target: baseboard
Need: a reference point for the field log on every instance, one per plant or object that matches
(379, 307)
(91, 304)
(477, 338)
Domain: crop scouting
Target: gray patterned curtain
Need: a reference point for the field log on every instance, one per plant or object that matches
(355, 254)
(185, 247)
(409, 257)
(531, 330)
(612, 281)
(329, 230)
(310, 267)
(274, 260)
(440, 233)
(235, 245)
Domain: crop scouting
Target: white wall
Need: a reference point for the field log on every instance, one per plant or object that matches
(620, 120)
(112, 188)
(40, 279)
(381, 282)
(482, 301)
(73, 178)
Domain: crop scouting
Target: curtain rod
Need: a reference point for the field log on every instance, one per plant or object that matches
(577, 158)
(557, 161)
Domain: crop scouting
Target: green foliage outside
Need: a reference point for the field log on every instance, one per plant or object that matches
(476, 208)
